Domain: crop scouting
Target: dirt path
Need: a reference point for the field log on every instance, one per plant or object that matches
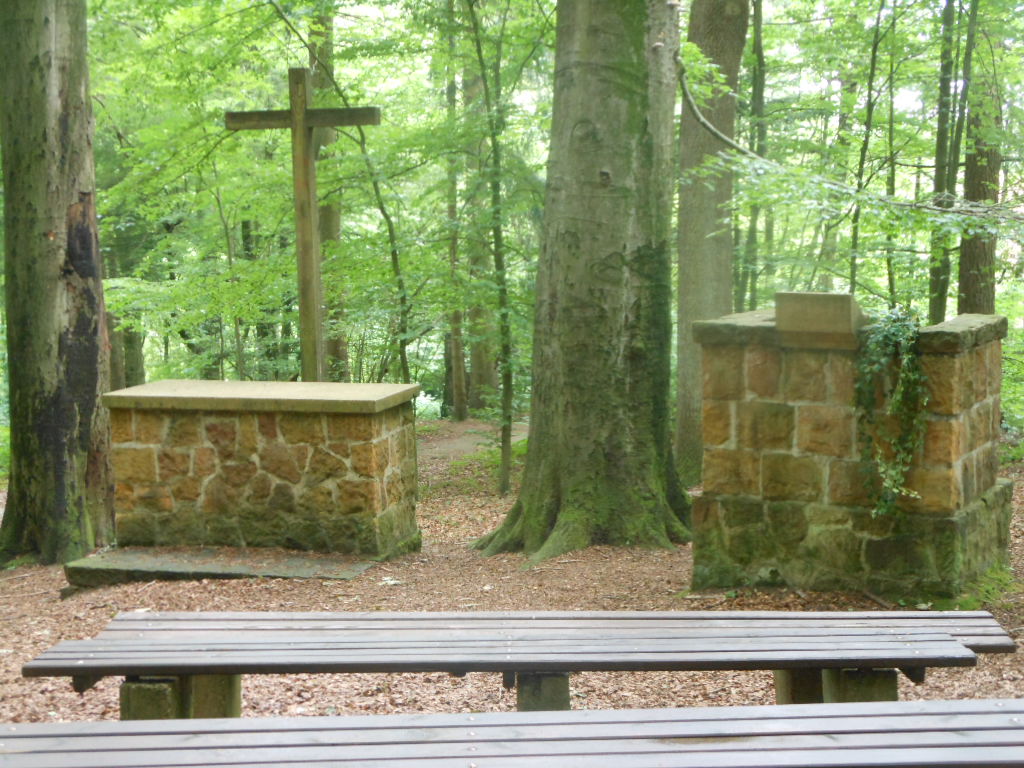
(456, 439)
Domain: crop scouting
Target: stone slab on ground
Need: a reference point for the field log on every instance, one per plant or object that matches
(116, 566)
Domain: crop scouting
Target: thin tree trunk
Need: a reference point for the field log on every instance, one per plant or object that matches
(60, 501)
(483, 372)
(828, 254)
(890, 175)
(236, 325)
(982, 172)
(747, 286)
(134, 357)
(869, 113)
(455, 345)
(704, 238)
(321, 62)
(938, 270)
(116, 336)
(491, 81)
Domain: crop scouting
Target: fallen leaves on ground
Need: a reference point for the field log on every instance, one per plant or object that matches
(457, 506)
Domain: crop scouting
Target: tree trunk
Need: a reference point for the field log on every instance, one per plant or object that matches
(134, 358)
(865, 144)
(116, 378)
(978, 252)
(977, 291)
(60, 502)
(599, 468)
(483, 370)
(705, 243)
(938, 268)
(321, 64)
(490, 77)
(455, 347)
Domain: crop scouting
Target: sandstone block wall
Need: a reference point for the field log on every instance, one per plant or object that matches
(331, 482)
(786, 497)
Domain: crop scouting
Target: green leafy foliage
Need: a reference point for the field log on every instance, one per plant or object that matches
(891, 395)
(196, 222)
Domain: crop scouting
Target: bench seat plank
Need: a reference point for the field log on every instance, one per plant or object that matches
(101, 647)
(976, 629)
(247, 657)
(933, 733)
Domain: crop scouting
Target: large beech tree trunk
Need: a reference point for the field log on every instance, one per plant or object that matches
(60, 502)
(705, 242)
(599, 468)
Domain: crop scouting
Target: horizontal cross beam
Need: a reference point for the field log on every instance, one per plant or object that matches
(315, 118)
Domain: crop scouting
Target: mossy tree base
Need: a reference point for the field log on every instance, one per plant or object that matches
(605, 514)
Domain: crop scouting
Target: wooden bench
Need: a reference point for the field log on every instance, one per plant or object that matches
(864, 735)
(189, 664)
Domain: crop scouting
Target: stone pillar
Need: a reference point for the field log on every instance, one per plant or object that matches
(787, 499)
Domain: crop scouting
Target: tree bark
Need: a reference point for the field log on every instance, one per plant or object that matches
(599, 468)
(321, 64)
(134, 358)
(116, 377)
(454, 345)
(865, 144)
(938, 268)
(492, 86)
(60, 502)
(705, 243)
(480, 321)
(977, 290)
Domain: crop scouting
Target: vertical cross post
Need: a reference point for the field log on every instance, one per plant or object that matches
(302, 119)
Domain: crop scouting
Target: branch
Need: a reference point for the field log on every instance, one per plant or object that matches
(958, 206)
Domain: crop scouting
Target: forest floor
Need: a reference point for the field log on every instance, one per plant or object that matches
(457, 505)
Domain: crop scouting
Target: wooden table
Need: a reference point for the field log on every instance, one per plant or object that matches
(189, 664)
(863, 735)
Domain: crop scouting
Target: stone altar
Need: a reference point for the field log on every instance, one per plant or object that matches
(307, 465)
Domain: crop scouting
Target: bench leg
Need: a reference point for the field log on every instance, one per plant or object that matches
(798, 686)
(540, 692)
(841, 685)
(212, 695)
(150, 698)
(171, 698)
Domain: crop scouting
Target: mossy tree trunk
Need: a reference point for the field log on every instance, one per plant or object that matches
(599, 468)
(60, 500)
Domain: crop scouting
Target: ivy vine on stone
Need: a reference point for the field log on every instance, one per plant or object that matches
(891, 395)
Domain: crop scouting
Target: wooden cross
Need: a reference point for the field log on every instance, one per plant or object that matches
(302, 119)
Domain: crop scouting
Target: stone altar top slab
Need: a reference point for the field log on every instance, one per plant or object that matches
(272, 396)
